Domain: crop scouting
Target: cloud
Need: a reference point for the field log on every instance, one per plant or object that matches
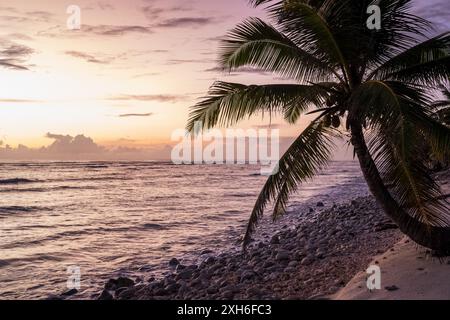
(111, 30)
(127, 115)
(14, 56)
(149, 74)
(81, 147)
(64, 144)
(103, 5)
(19, 101)
(269, 126)
(95, 30)
(183, 61)
(88, 57)
(149, 97)
(153, 13)
(184, 22)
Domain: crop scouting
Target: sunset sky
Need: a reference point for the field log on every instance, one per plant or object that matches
(128, 76)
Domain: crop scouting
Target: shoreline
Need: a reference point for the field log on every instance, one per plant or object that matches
(408, 272)
(308, 260)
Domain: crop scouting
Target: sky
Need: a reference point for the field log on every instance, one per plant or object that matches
(126, 79)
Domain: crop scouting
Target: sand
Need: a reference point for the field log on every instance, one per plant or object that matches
(408, 272)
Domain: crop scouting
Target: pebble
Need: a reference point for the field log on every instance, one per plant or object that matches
(174, 262)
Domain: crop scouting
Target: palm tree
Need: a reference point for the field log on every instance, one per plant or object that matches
(377, 83)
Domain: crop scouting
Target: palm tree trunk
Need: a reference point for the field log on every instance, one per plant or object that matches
(433, 237)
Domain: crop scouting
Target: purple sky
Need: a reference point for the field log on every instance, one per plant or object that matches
(127, 77)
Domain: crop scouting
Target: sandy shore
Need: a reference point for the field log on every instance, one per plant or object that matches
(408, 272)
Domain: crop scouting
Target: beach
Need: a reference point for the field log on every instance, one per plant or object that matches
(309, 260)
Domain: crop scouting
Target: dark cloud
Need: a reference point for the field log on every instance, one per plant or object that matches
(184, 22)
(110, 30)
(14, 56)
(154, 13)
(128, 115)
(88, 57)
(149, 97)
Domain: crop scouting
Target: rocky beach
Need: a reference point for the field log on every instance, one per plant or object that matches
(310, 260)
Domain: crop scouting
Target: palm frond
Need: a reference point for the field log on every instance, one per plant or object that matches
(227, 103)
(257, 44)
(426, 63)
(309, 153)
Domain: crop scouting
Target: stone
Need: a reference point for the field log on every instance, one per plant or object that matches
(210, 260)
(306, 261)
(275, 239)
(320, 204)
(184, 275)
(180, 268)
(123, 282)
(105, 295)
(174, 262)
(247, 275)
(282, 255)
(391, 288)
(69, 293)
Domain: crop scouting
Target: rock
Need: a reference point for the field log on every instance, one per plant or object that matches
(184, 275)
(391, 288)
(247, 275)
(320, 204)
(206, 251)
(212, 290)
(180, 268)
(306, 261)
(210, 260)
(123, 282)
(127, 294)
(173, 288)
(311, 210)
(268, 264)
(282, 255)
(227, 295)
(69, 293)
(275, 239)
(105, 295)
(174, 262)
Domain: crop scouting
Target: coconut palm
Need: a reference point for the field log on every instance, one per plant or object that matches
(375, 86)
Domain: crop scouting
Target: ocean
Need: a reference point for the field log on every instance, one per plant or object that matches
(131, 218)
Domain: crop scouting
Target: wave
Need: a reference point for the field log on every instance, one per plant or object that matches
(12, 190)
(20, 209)
(17, 181)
